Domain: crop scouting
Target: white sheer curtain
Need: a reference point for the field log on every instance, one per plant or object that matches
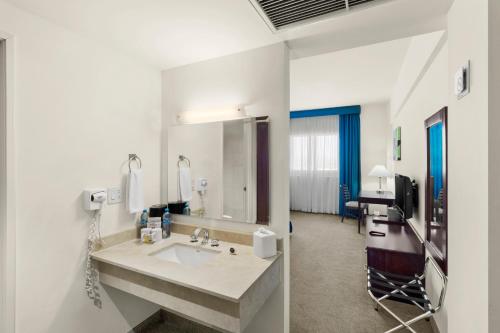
(314, 175)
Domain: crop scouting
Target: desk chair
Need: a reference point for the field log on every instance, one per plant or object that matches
(407, 288)
(351, 205)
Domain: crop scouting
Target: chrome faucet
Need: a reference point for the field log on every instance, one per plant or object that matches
(196, 234)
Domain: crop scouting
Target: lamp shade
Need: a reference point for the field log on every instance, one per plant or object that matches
(379, 171)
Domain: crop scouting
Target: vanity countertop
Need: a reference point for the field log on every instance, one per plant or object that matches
(227, 276)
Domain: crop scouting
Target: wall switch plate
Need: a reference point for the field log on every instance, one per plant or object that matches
(114, 195)
(462, 81)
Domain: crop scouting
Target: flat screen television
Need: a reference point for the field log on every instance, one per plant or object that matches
(404, 195)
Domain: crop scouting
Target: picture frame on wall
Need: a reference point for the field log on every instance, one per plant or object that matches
(397, 144)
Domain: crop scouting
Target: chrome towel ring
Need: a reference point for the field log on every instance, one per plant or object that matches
(132, 158)
(183, 158)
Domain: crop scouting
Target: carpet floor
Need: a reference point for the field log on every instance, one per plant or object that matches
(328, 280)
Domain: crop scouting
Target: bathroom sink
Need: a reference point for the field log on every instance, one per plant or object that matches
(185, 254)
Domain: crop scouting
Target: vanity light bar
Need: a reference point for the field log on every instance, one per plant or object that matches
(211, 115)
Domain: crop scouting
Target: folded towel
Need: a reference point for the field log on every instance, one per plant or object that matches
(185, 187)
(135, 191)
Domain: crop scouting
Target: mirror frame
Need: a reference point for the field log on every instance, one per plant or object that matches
(441, 258)
(263, 167)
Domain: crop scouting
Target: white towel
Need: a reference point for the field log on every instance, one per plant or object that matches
(185, 187)
(135, 191)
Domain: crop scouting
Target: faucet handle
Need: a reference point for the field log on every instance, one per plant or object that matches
(196, 232)
(205, 237)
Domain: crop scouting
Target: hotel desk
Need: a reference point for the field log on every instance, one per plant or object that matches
(373, 197)
(400, 251)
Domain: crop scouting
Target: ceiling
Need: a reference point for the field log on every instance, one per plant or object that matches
(356, 76)
(171, 33)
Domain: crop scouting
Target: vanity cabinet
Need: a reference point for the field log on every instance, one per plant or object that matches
(224, 293)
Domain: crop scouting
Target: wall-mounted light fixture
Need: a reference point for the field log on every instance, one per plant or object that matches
(211, 115)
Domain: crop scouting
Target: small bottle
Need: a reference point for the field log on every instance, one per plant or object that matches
(187, 209)
(144, 219)
(165, 224)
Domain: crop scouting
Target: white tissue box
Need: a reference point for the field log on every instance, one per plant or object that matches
(264, 243)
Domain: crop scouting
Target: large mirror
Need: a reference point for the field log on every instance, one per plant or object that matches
(436, 188)
(220, 170)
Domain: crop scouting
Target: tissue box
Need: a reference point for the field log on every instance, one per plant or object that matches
(264, 243)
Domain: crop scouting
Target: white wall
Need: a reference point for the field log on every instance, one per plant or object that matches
(3, 187)
(494, 164)
(466, 309)
(80, 108)
(468, 151)
(428, 95)
(258, 79)
(375, 126)
(419, 56)
(353, 76)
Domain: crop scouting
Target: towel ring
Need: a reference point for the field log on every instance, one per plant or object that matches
(132, 158)
(183, 158)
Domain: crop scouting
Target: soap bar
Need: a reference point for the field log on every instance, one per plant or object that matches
(264, 243)
(146, 235)
(150, 235)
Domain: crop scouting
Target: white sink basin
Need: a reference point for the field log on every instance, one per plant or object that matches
(185, 254)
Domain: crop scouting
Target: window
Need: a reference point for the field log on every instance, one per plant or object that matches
(314, 152)
(314, 155)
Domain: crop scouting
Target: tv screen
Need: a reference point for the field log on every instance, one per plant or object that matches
(404, 195)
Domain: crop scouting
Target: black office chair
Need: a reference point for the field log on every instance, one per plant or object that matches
(351, 206)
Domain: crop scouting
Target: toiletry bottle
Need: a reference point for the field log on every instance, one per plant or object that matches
(187, 209)
(165, 225)
(144, 219)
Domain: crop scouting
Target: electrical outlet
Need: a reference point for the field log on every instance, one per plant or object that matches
(114, 195)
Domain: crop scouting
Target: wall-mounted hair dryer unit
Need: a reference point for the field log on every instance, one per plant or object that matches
(94, 198)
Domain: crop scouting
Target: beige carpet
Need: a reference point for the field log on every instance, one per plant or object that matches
(328, 280)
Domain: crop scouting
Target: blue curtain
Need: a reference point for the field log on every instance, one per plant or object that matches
(349, 159)
(436, 156)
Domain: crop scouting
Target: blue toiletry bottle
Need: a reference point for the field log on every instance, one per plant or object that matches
(165, 224)
(144, 219)
(186, 210)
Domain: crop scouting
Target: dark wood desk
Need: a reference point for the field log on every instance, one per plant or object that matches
(373, 197)
(400, 251)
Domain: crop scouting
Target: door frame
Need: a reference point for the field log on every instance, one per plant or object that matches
(8, 189)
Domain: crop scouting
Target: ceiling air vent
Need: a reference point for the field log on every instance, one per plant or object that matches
(280, 14)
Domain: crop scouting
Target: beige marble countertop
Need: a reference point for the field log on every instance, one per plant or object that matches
(227, 276)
